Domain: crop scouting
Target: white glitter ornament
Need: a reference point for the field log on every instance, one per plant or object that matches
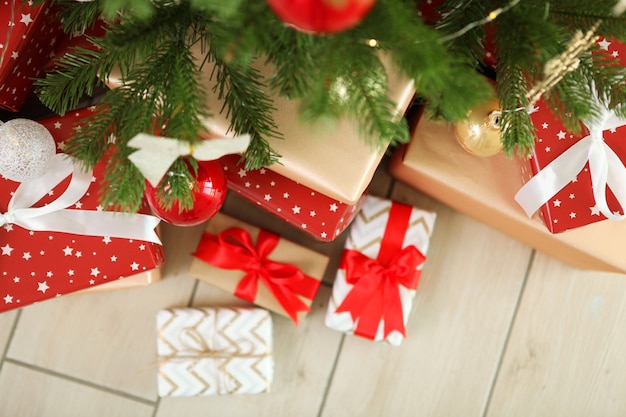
(26, 148)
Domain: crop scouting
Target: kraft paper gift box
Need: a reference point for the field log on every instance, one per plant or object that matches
(258, 266)
(379, 271)
(42, 260)
(484, 188)
(32, 32)
(334, 160)
(214, 351)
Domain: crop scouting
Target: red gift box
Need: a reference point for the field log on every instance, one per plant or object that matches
(577, 179)
(39, 261)
(322, 217)
(33, 31)
(68, 43)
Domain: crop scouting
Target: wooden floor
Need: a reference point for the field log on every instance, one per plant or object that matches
(496, 331)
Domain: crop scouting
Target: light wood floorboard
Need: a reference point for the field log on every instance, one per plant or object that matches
(496, 331)
(565, 357)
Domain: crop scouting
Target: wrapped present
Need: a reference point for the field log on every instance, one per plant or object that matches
(379, 270)
(214, 351)
(258, 266)
(321, 216)
(331, 159)
(484, 188)
(72, 41)
(56, 237)
(343, 174)
(33, 31)
(578, 179)
(134, 281)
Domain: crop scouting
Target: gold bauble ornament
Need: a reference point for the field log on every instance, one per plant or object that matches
(479, 134)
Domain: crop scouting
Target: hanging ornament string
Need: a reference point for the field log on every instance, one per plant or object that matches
(561, 65)
(156, 154)
(491, 16)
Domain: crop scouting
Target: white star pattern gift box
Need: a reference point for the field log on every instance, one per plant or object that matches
(380, 269)
(40, 264)
(214, 351)
(571, 172)
(484, 188)
(322, 217)
(28, 43)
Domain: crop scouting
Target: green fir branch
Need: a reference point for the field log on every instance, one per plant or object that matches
(249, 108)
(570, 101)
(92, 142)
(440, 76)
(470, 44)
(79, 17)
(77, 75)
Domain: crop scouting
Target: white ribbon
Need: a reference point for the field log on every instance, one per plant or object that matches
(54, 217)
(156, 154)
(605, 168)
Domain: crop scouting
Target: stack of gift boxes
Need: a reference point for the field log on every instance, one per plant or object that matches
(555, 201)
(320, 188)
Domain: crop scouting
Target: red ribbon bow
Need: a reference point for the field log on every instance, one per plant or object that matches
(375, 294)
(233, 249)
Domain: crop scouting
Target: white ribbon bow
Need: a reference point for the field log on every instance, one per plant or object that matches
(54, 217)
(156, 154)
(605, 168)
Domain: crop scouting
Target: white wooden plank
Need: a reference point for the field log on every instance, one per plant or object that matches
(26, 392)
(7, 321)
(565, 357)
(108, 338)
(463, 308)
(303, 356)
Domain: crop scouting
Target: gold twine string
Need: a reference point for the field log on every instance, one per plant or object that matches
(204, 350)
(190, 336)
(561, 65)
(491, 16)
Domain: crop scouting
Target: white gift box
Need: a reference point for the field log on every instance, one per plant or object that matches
(366, 235)
(214, 351)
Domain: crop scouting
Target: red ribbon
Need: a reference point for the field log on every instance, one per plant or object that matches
(375, 295)
(233, 249)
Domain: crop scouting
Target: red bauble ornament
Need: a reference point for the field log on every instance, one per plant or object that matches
(321, 16)
(208, 196)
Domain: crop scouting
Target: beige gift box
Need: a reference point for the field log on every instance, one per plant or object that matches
(483, 188)
(135, 281)
(333, 159)
(311, 263)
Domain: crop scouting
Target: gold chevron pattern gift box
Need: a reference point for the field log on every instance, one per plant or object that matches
(214, 351)
(379, 270)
